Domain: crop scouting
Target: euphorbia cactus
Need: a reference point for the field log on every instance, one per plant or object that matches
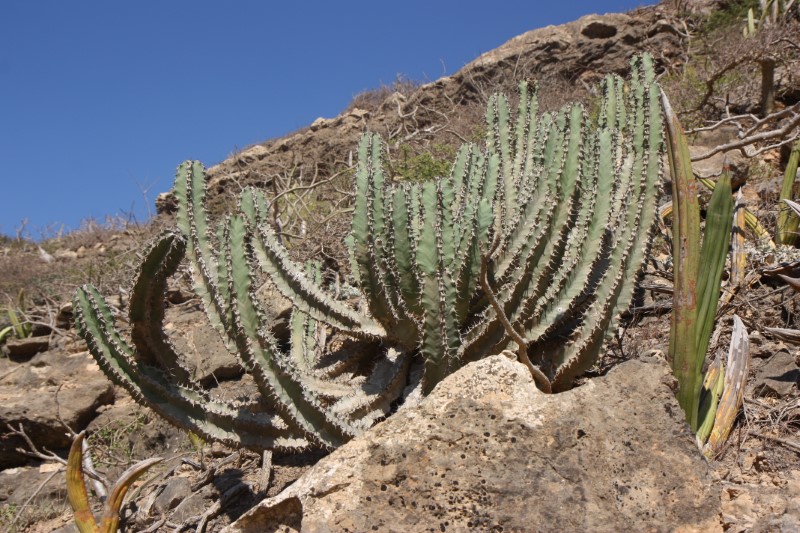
(552, 215)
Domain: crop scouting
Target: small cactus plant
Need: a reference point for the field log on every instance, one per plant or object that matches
(538, 235)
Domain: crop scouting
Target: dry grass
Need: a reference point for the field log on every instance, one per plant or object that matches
(102, 254)
(371, 99)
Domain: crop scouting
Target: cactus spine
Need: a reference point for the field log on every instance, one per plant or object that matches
(537, 236)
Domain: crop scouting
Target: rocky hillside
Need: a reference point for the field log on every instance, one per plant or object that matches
(567, 61)
(616, 450)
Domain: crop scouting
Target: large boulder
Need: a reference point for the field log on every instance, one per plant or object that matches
(487, 451)
(53, 387)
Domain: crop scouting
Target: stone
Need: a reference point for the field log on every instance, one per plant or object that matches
(196, 504)
(67, 255)
(17, 485)
(711, 167)
(19, 350)
(176, 490)
(36, 394)
(318, 123)
(778, 376)
(723, 134)
(487, 451)
(764, 507)
(166, 203)
(64, 317)
(202, 349)
(200, 346)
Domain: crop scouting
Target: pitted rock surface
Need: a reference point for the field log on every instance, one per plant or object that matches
(487, 451)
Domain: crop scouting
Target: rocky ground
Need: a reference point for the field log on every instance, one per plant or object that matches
(615, 448)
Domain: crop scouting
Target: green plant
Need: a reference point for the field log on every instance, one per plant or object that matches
(697, 275)
(788, 221)
(79, 498)
(425, 166)
(20, 329)
(772, 12)
(730, 14)
(534, 240)
(7, 514)
(723, 392)
(112, 441)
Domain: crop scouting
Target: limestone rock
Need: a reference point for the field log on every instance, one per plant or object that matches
(23, 349)
(712, 166)
(487, 451)
(200, 346)
(35, 394)
(763, 507)
(67, 255)
(18, 484)
(598, 29)
(177, 490)
(778, 376)
(252, 154)
(64, 317)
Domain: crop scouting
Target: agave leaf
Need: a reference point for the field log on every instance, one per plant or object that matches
(788, 335)
(738, 255)
(712, 390)
(712, 257)
(686, 254)
(738, 364)
(789, 219)
(113, 504)
(76, 488)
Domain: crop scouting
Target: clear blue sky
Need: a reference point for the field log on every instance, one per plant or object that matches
(101, 99)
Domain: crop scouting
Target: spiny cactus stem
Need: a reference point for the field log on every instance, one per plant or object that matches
(522, 343)
(496, 241)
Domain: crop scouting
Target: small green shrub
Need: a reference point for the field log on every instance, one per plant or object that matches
(730, 14)
(426, 166)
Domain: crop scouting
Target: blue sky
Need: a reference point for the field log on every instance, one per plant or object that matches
(100, 101)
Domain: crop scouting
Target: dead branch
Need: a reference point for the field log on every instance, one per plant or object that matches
(99, 482)
(714, 78)
(265, 474)
(792, 445)
(734, 119)
(225, 499)
(749, 139)
(33, 450)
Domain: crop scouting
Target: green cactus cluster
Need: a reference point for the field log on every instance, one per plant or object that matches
(534, 241)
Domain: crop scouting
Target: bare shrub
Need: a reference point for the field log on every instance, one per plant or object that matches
(723, 76)
(97, 252)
